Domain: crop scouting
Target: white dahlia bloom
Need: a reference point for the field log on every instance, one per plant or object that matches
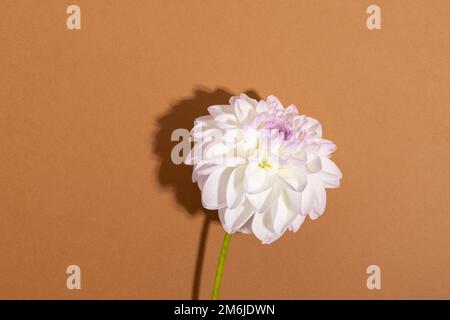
(264, 167)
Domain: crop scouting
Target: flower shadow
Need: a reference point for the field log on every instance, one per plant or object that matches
(179, 177)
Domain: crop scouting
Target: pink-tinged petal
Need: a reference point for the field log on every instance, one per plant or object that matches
(214, 190)
(235, 188)
(292, 109)
(330, 167)
(297, 159)
(294, 162)
(326, 148)
(235, 218)
(298, 121)
(262, 106)
(274, 103)
(293, 147)
(314, 164)
(311, 148)
(312, 128)
(328, 180)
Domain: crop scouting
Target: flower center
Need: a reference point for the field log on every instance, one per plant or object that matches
(281, 126)
(285, 133)
(264, 164)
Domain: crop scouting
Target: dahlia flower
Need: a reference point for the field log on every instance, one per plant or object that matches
(264, 167)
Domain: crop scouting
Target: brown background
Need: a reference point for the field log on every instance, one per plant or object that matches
(85, 123)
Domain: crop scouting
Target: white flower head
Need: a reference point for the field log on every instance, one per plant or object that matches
(264, 167)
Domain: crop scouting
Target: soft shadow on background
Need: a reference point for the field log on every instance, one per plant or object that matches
(179, 177)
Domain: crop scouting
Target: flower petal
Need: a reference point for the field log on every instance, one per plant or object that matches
(292, 109)
(204, 168)
(308, 198)
(261, 202)
(201, 181)
(326, 147)
(214, 190)
(220, 109)
(330, 167)
(293, 200)
(235, 188)
(243, 110)
(261, 106)
(314, 164)
(257, 179)
(294, 177)
(313, 215)
(235, 218)
(321, 200)
(274, 102)
(262, 166)
(261, 232)
(247, 227)
(328, 180)
(284, 216)
(226, 120)
(298, 221)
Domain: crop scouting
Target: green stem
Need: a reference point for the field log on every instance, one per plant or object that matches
(220, 265)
